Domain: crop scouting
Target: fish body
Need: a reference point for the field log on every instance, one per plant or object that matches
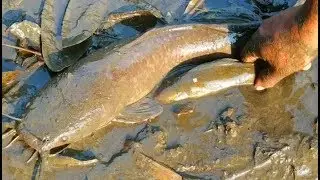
(89, 97)
(209, 78)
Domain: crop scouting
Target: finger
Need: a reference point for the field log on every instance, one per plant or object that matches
(307, 67)
(264, 81)
(193, 6)
(249, 58)
(251, 51)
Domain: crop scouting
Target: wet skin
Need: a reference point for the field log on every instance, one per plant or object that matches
(288, 41)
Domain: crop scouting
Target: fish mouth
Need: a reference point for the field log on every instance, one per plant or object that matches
(58, 149)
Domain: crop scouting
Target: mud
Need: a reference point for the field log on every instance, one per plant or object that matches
(237, 134)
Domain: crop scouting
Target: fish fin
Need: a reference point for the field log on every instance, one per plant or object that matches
(142, 10)
(141, 111)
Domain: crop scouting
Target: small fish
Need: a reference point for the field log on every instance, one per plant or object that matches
(208, 78)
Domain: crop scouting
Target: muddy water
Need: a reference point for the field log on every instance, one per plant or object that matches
(238, 133)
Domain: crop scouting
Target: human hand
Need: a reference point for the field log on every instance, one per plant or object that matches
(288, 41)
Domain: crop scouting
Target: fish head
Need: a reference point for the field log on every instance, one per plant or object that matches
(56, 145)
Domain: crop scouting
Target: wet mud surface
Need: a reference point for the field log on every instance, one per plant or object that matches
(236, 134)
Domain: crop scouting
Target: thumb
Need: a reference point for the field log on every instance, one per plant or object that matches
(251, 51)
(267, 80)
(249, 58)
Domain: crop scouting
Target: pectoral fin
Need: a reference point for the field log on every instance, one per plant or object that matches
(141, 111)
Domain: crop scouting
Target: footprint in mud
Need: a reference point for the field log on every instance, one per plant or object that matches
(226, 126)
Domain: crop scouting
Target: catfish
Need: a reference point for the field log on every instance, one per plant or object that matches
(92, 95)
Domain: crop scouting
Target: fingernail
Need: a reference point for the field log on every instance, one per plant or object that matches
(307, 67)
(259, 88)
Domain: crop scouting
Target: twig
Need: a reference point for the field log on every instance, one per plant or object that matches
(23, 49)
(11, 117)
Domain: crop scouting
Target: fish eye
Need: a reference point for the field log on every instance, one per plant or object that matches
(46, 139)
(64, 138)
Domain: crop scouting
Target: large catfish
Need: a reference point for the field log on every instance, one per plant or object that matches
(115, 88)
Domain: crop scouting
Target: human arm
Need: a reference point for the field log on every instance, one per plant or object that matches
(288, 41)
